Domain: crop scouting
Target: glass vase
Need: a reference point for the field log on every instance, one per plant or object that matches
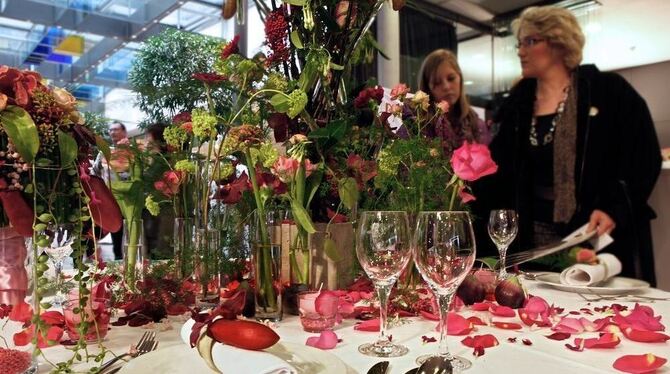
(13, 274)
(206, 267)
(133, 252)
(266, 260)
(183, 247)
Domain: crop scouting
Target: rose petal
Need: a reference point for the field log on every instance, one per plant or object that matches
(476, 321)
(369, 325)
(578, 347)
(502, 311)
(486, 341)
(21, 312)
(536, 304)
(326, 303)
(527, 342)
(507, 325)
(606, 340)
(458, 325)
(644, 336)
(639, 363)
(569, 325)
(558, 336)
(327, 340)
(481, 307)
(429, 315)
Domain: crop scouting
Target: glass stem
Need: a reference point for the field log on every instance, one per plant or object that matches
(383, 292)
(444, 301)
(502, 274)
(58, 265)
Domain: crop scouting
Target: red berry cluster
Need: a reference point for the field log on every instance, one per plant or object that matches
(276, 37)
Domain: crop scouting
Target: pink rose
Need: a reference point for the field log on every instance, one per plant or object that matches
(473, 161)
(465, 196)
(443, 106)
(285, 168)
(399, 91)
(169, 184)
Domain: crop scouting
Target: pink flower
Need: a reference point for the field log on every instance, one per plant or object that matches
(465, 196)
(473, 161)
(285, 168)
(169, 184)
(309, 167)
(399, 91)
(443, 106)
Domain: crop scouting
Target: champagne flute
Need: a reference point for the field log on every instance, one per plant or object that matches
(444, 251)
(382, 247)
(503, 227)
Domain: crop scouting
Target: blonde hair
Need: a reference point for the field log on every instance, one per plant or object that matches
(429, 66)
(559, 26)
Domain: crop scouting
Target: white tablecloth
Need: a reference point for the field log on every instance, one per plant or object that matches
(543, 356)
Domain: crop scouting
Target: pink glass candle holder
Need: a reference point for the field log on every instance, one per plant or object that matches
(317, 316)
(97, 313)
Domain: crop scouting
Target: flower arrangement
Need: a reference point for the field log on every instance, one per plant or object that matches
(45, 147)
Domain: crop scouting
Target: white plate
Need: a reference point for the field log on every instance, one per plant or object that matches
(181, 359)
(612, 286)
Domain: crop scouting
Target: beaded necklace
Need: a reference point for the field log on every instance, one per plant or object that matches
(549, 136)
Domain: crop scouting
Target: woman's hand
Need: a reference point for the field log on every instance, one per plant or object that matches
(602, 222)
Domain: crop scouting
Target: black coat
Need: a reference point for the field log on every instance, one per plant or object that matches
(618, 162)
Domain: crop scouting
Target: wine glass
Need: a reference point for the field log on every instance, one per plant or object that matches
(444, 251)
(60, 238)
(503, 227)
(382, 247)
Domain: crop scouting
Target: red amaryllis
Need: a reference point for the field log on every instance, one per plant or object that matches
(230, 48)
(271, 181)
(473, 161)
(170, 182)
(285, 168)
(105, 210)
(231, 193)
(363, 170)
(209, 78)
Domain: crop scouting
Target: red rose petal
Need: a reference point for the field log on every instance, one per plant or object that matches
(429, 315)
(476, 321)
(325, 303)
(639, 363)
(458, 325)
(502, 311)
(369, 325)
(511, 340)
(527, 342)
(578, 347)
(481, 307)
(558, 336)
(478, 351)
(606, 340)
(507, 325)
(486, 341)
(644, 336)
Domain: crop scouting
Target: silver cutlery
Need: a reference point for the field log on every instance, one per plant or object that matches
(436, 365)
(146, 344)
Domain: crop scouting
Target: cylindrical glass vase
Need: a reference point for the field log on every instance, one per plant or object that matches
(206, 267)
(133, 252)
(183, 247)
(266, 259)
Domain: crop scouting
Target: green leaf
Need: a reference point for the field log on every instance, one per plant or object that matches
(281, 103)
(335, 66)
(348, 191)
(295, 39)
(68, 149)
(301, 216)
(331, 250)
(376, 46)
(103, 146)
(21, 129)
(296, 2)
(491, 262)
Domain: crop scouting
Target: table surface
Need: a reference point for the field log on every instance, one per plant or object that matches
(543, 356)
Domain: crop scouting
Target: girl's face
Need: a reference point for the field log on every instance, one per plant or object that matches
(445, 84)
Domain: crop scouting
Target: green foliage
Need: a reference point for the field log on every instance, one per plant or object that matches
(99, 124)
(21, 130)
(162, 73)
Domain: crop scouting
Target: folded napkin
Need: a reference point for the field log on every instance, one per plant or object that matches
(589, 275)
(229, 359)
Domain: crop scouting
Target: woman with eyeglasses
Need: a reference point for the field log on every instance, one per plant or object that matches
(575, 145)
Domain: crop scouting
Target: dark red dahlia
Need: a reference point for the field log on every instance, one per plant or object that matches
(231, 48)
(209, 78)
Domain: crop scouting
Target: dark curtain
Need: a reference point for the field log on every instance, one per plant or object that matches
(422, 32)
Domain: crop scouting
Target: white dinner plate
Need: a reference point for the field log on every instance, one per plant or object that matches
(612, 286)
(181, 359)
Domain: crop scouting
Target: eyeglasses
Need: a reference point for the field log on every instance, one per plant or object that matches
(529, 42)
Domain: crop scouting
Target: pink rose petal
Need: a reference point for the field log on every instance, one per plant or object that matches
(369, 325)
(502, 311)
(486, 341)
(558, 336)
(606, 340)
(327, 340)
(639, 363)
(481, 307)
(507, 325)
